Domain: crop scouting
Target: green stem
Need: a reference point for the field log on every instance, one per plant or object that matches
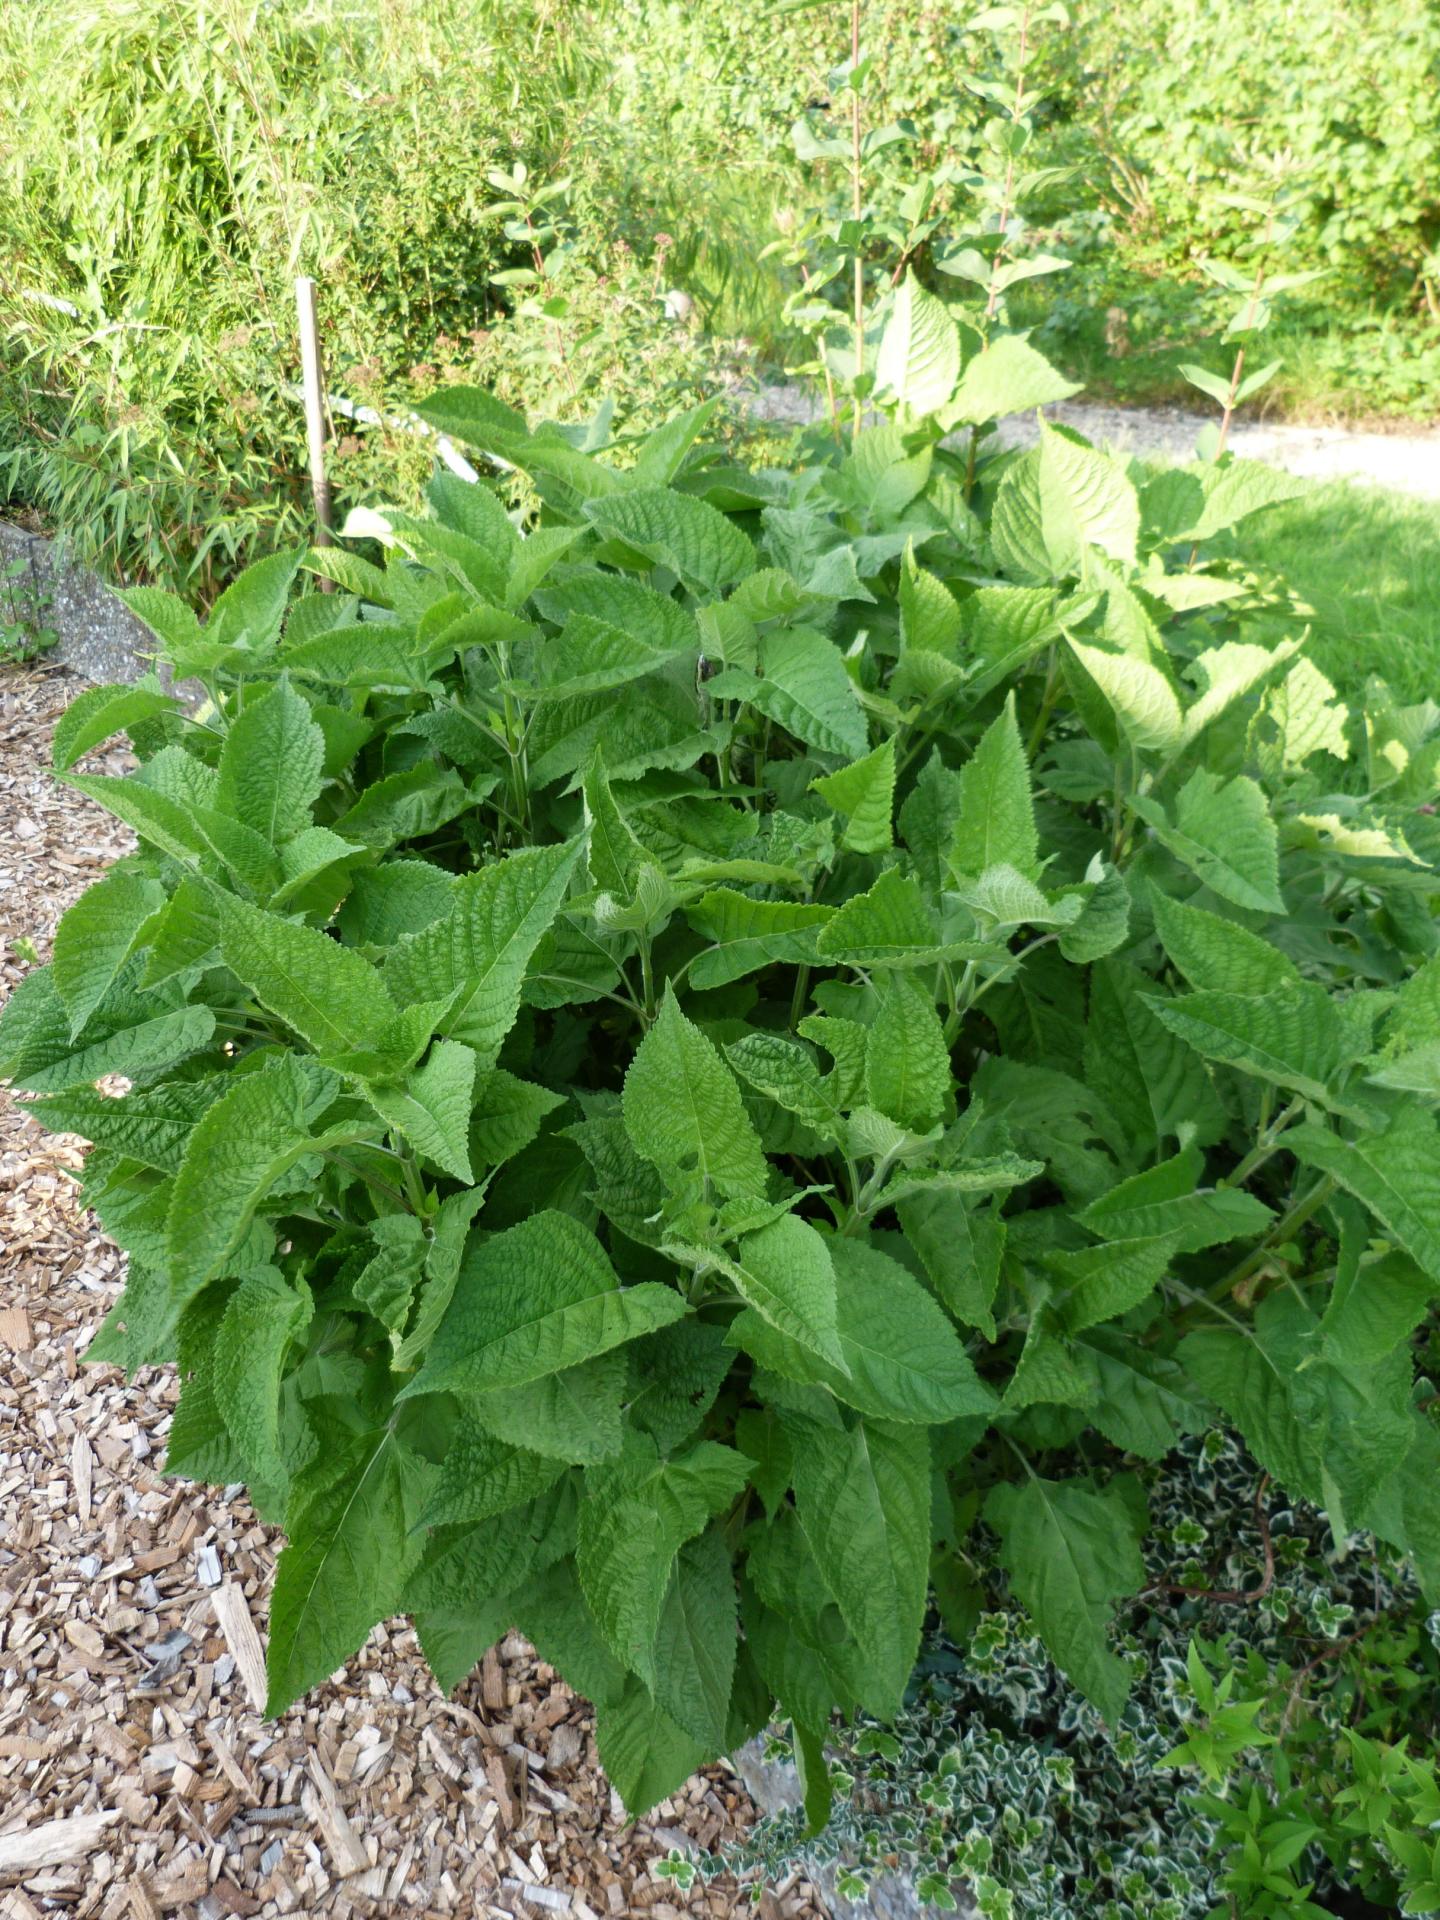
(1284, 1229)
(647, 979)
(798, 997)
(1265, 1147)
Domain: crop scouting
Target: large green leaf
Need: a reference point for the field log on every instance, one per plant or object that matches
(353, 1541)
(919, 357)
(907, 1062)
(1071, 1552)
(746, 934)
(475, 955)
(99, 712)
(675, 530)
(332, 996)
(1395, 1173)
(634, 1519)
(904, 1359)
(270, 769)
(683, 1110)
(784, 1272)
(133, 1033)
(531, 1301)
(96, 937)
(863, 1496)
(1291, 1036)
(1223, 832)
(264, 1317)
(996, 822)
(864, 795)
(237, 1151)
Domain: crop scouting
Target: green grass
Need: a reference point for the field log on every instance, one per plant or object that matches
(1368, 562)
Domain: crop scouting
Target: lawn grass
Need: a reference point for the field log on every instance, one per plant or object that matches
(1368, 561)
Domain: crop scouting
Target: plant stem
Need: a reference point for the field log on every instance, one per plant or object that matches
(1283, 1229)
(1265, 1147)
(857, 208)
(797, 999)
(1008, 192)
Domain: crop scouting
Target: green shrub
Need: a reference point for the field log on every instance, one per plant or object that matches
(178, 165)
(1190, 104)
(686, 1053)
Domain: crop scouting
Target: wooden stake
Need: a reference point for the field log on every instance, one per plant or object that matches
(314, 412)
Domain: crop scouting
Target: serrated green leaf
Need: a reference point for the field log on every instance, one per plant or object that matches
(905, 1360)
(863, 1497)
(889, 926)
(683, 1110)
(1217, 955)
(236, 1152)
(432, 1107)
(1150, 1078)
(98, 713)
(479, 949)
(1290, 1036)
(785, 1273)
(645, 1754)
(574, 1416)
(263, 1318)
(1166, 1200)
(961, 1247)
(1104, 1282)
(1071, 1552)
(132, 1033)
(782, 1069)
(97, 935)
(532, 1301)
(1224, 833)
(918, 361)
(352, 1543)
(804, 688)
(907, 1063)
(1006, 376)
(695, 1640)
(863, 794)
(675, 530)
(329, 994)
(1395, 1174)
(746, 934)
(634, 1519)
(271, 765)
(1143, 700)
(996, 823)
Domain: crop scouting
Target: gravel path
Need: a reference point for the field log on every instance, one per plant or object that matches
(1404, 462)
(138, 1778)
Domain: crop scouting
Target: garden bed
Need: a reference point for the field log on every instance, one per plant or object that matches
(137, 1775)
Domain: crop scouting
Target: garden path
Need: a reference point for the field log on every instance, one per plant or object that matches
(1407, 462)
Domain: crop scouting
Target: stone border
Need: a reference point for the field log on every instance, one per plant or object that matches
(100, 639)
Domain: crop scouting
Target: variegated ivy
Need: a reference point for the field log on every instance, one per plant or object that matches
(727, 1044)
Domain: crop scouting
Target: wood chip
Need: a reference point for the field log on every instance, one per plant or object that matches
(54, 1843)
(233, 1618)
(15, 1329)
(346, 1848)
(81, 1465)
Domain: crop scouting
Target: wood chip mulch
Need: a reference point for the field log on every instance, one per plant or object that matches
(138, 1778)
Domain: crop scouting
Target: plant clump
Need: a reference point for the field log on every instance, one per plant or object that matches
(715, 1049)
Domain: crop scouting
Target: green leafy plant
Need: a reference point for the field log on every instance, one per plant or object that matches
(25, 632)
(686, 1053)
